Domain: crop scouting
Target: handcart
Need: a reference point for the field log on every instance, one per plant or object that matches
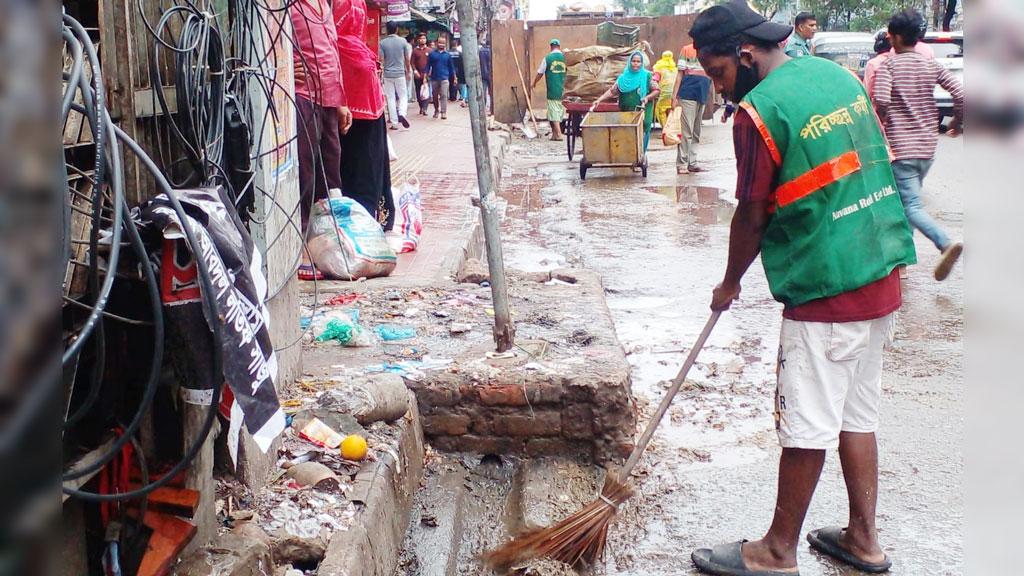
(575, 110)
(613, 139)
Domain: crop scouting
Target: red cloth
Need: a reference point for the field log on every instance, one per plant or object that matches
(756, 180)
(316, 39)
(362, 86)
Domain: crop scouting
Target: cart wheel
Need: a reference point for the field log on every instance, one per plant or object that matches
(643, 167)
(583, 171)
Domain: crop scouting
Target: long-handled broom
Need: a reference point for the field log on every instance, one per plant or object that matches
(581, 538)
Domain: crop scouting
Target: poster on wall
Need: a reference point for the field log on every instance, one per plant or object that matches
(506, 10)
(398, 11)
(280, 58)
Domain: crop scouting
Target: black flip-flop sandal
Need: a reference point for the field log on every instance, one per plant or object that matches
(826, 541)
(727, 560)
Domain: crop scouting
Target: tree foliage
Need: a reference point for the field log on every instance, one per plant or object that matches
(859, 15)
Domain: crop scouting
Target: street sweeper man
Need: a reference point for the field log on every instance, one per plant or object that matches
(818, 202)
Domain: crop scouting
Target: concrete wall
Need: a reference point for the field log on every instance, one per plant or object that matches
(279, 242)
(664, 33)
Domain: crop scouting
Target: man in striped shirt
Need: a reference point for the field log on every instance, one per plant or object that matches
(904, 97)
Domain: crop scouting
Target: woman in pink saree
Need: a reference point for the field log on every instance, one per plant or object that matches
(365, 163)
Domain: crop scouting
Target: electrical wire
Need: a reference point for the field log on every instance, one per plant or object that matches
(210, 65)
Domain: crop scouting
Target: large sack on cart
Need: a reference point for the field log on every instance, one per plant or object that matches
(346, 243)
(593, 69)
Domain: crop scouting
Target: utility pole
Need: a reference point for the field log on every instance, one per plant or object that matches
(504, 331)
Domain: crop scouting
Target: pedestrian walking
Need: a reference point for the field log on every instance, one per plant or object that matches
(396, 54)
(882, 48)
(441, 71)
(665, 68)
(817, 201)
(420, 59)
(690, 92)
(636, 90)
(805, 25)
(905, 99)
(321, 109)
(458, 80)
(365, 162)
(485, 75)
(552, 69)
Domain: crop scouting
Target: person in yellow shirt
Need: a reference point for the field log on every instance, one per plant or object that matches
(666, 68)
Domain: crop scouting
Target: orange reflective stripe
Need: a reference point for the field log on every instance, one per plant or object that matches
(765, 134)
(817, 178)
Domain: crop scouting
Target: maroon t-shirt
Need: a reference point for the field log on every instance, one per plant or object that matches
(756, 180)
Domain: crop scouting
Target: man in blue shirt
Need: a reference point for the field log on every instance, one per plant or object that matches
(690, 93)
(441, 70)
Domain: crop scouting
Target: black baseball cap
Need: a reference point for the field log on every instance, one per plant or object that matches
(725, 20)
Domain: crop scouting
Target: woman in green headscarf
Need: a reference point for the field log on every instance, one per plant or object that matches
(635, 89)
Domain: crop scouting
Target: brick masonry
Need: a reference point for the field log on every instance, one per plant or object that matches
(574, 398)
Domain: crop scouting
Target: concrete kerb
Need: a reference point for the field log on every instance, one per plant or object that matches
(385, 489)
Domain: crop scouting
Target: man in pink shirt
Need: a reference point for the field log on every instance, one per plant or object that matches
(321, 105)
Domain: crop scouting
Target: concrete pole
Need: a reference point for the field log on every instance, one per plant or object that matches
(504, 331)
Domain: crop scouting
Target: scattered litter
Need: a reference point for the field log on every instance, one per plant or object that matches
(341, 326)
(288, 516)
(342, 299)
(337, 330)
(557, 282)
(314, 474)
(390, 332)
(440, 314)
(409, 369)
(501, 355)
(459, 328)
(429, 520)
(379, 399)
(411, 312)
(536, 366)
(581, 337)
(320, 434)
(485, 284)
(354, 448)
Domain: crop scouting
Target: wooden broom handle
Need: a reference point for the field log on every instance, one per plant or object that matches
(667, 400)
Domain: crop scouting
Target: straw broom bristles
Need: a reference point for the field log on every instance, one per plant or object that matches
(579, 538)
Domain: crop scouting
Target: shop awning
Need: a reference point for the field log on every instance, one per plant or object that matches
(418, 15)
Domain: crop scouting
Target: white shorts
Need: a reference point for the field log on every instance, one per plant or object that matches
(829, 380)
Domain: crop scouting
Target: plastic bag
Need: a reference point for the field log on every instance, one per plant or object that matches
(389, 332)
(346, 243)
(409, 219)
(672, 133)
(341, 326)
(425, 90)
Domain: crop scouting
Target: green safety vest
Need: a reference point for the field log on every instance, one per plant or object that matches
(554, 75)
(838, 221)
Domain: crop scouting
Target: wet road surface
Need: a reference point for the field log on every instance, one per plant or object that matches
(709, 475)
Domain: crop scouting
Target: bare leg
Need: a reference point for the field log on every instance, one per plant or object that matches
(859, 456)
(556, 131)
(798, 476)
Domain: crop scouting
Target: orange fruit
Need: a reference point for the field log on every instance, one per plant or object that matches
(353, 447)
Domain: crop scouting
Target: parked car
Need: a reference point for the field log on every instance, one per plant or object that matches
(851, 50)
(949, 51)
